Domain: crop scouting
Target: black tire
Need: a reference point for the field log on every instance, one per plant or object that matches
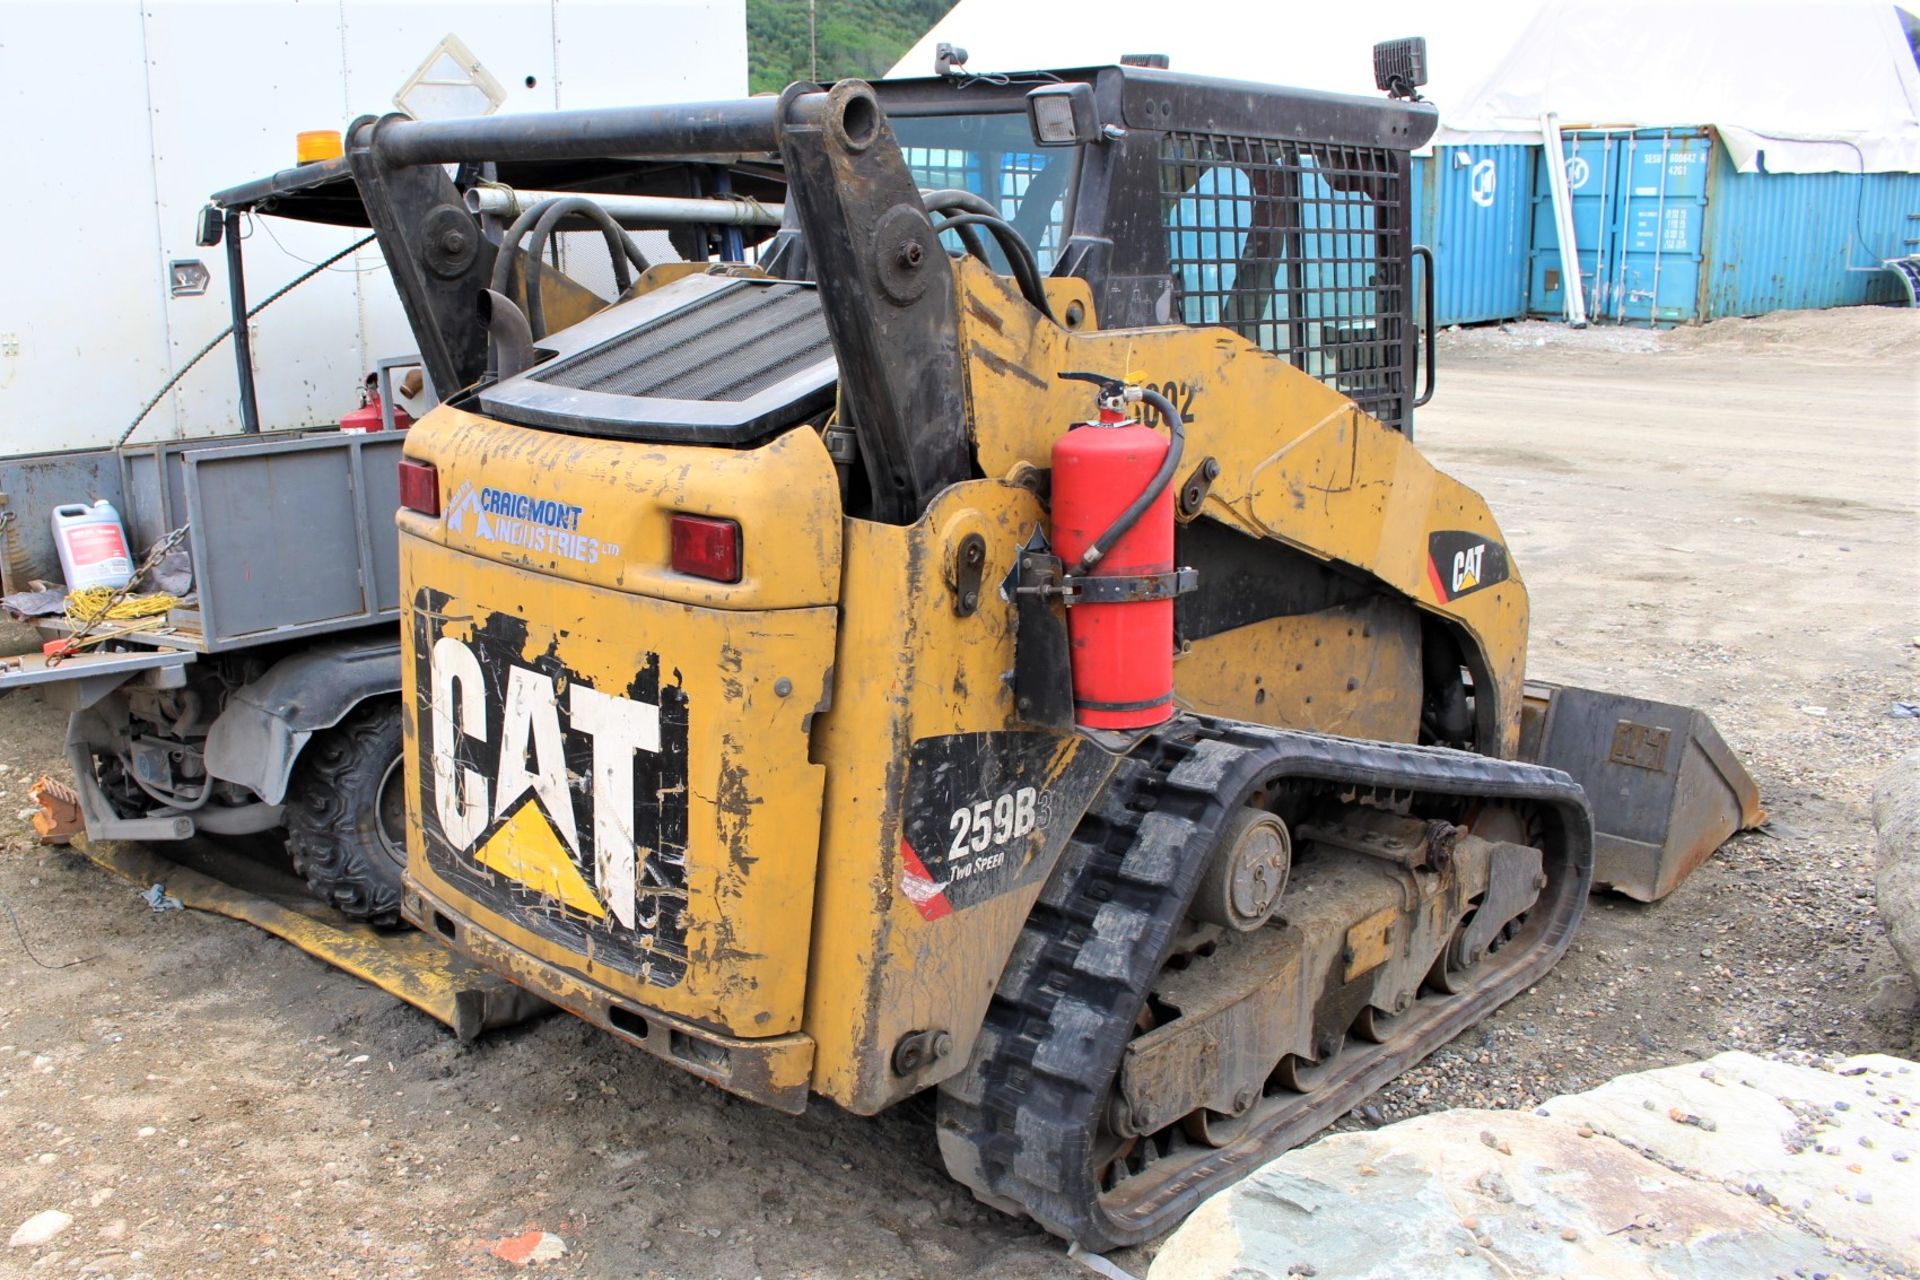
(346, 814)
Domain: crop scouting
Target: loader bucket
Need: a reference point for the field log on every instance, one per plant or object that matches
(1665, 788)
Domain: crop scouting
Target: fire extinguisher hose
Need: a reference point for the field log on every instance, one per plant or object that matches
(1176, 427)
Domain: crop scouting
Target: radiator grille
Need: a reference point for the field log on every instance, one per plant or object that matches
(729, 346)
(1301, 248)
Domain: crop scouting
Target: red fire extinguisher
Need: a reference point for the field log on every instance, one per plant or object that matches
(367, 417)
(1113, 531)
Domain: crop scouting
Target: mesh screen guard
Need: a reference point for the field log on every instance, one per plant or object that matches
(1302, 248)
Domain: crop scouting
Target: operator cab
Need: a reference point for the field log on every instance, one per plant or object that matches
(1275, 212)
(1282, 214)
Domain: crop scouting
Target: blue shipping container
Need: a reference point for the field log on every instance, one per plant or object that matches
(1662, 218)
(1786, 241)
(1669, 233)
(1591, 170)
(1639, 214)
(1471, 205)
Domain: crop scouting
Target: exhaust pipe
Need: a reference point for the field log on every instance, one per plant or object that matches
(510, 336)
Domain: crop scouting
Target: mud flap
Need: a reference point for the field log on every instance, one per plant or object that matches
(405, 963)
(1666, 789)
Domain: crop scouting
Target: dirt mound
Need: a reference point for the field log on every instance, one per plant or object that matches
(1508, 337)
(1844, 334)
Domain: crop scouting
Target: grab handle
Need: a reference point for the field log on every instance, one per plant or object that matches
(1430, 373)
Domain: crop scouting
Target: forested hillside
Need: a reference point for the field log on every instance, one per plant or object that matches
(853, 37)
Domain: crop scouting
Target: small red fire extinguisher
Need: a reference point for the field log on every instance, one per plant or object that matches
(367, 417)
(1113, 532)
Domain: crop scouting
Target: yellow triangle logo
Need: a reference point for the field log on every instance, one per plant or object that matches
(525, 848)
(1467, 581)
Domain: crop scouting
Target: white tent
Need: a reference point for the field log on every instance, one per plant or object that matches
(1791, 86)
(1309, 44)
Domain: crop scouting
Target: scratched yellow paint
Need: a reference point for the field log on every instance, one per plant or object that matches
(754, 660)
(908, 667)
(785, 495)
(1369, 943)
(803, 937)
(1345, 670)
(783, 1060)
(1298, 462)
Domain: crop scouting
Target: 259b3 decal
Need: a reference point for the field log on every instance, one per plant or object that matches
(987, 826)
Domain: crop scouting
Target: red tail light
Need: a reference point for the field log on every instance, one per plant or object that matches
(706, 548)
(419, 487)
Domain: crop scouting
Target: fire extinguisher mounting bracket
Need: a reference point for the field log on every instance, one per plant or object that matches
(1041, 574)
(1044, 575)
(1042, 675)
(1126, 588)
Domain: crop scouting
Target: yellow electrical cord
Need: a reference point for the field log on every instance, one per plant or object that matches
(97, 604)
(88, 607)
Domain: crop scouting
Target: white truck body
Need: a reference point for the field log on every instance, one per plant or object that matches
(123, 116)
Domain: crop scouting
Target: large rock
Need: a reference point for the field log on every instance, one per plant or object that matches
(1896, 880)
(1736, 1167)
(40, 1228)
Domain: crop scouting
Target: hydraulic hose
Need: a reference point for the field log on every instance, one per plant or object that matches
(1026, 269)
(949, 200)
(620, 247)
(1177, 428)
(516, 232)
(943, 199)
(503, 272)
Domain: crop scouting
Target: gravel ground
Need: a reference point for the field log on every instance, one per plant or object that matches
(1724, 517)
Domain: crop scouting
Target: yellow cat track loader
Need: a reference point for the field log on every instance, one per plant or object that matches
(754, 690)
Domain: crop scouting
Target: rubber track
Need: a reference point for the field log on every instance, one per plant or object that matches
(1019, 1124)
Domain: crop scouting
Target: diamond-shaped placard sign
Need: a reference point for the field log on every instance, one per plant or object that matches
(451, 83)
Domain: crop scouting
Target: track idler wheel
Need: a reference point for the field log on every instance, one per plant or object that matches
(1247, 873)
(1452, 971)
(1216, 1128)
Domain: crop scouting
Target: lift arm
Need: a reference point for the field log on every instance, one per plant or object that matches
(889, 298)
